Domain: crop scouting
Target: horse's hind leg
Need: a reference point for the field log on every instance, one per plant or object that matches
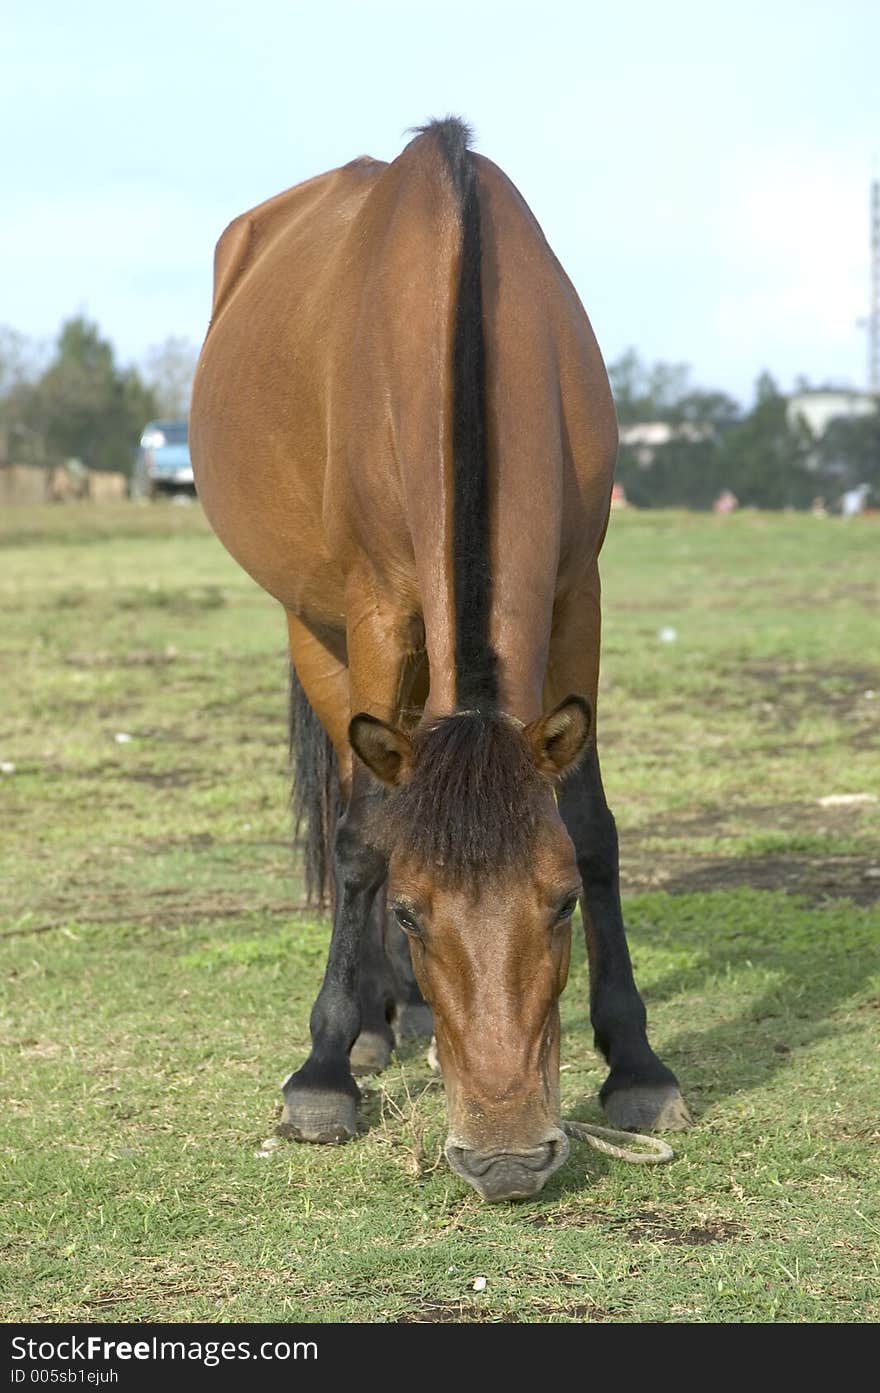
(372, 1049)
(393, 1010)
(412, 1014)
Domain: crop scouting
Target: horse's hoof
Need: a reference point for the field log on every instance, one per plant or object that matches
(413, 1021)
(318, 1115)
(370, 1053)
(649, 1107)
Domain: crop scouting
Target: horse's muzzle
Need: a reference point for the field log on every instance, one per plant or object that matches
(508, 1175)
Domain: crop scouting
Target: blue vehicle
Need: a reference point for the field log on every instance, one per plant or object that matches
(163, 465)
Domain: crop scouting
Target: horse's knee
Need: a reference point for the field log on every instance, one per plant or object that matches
(590, 824)
(598, 857)
(359, 866)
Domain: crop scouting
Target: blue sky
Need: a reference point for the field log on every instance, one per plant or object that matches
(701, 169)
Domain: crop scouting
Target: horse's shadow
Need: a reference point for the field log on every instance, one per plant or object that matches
(813, 974)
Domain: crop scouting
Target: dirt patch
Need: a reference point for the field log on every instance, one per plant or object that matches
(196, 842)
(445, 1312)
(838, 687)
(131, 910)
(652, 1228)
(168, 778)
(645, 1225)
(777, 697)
(462, 1312)
(591, 1314)
(134, 658)
(817, 878)
(783, 693)
(797, 871)
(792, 817)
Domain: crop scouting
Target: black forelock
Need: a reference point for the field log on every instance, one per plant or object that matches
(469, 809)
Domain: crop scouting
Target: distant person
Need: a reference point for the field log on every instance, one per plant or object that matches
(618, 496)
(726, 502)
(853, 501)
(818, 507)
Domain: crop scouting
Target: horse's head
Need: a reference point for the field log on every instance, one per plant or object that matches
(483, 879)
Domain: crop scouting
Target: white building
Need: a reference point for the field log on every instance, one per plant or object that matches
(645, 438)
(818, 409)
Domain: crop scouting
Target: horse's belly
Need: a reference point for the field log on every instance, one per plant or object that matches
(265, 506)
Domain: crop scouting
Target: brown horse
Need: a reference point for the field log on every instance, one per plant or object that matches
(402, 428)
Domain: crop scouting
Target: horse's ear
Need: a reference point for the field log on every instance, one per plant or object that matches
(560, 737)
(385, 750)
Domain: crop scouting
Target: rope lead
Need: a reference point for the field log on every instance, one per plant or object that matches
(599, 1137)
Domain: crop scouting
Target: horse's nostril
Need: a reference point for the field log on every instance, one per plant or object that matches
(537, 1158)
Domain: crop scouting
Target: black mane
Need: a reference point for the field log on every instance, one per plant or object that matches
(469, 809)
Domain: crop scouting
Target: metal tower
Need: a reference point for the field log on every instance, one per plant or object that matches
(873, 321)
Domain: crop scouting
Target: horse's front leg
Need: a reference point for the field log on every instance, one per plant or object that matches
(321, 1097)
(349, 1021)
(640, 1092)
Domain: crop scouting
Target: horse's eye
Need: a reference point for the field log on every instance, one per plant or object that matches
(566, 909)
(406, 919)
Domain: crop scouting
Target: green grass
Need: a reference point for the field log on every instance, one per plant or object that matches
(157, 973)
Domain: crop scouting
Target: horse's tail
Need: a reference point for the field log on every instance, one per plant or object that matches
(475, 659)
(315, 797)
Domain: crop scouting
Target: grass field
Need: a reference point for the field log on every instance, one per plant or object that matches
(158, 970)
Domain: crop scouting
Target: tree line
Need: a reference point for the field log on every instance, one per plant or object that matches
(77, 401)
(765, 458)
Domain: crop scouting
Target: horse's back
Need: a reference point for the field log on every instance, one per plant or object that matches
(318, 409)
